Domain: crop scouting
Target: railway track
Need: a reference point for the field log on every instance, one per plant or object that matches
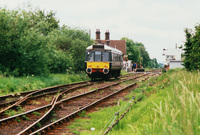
(39, 98)
(13, 98)
(61, 108)
(10, 101)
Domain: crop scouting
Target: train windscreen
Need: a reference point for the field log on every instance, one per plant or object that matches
(97, 56)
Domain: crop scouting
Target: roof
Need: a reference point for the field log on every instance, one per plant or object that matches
(106, 47)
(118, 44)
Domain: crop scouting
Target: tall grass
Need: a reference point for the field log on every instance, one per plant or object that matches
(179, 112)
(171, 106)
(10, 85)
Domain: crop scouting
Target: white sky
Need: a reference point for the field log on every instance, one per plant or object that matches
(157, 24)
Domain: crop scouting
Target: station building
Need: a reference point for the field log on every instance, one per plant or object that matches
(173, 58)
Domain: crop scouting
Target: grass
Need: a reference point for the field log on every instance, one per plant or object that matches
(10, 85)
(14, 112)
(170, 105)
(37, 113)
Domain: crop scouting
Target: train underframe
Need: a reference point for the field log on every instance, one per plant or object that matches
(101, 75)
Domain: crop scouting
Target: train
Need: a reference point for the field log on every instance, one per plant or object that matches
(103, 61)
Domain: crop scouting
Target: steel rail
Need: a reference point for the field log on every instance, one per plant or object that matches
(109, 128)
(18, 95)
(42, 107)
(38, 109)
(46, 106)
(72, 115)
(31, 127)
(49, 89)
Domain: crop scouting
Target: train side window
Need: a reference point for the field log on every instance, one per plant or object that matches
(105, 56)
(117, 57)
(114, 57)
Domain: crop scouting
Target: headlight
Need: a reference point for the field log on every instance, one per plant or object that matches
(89, 70)
(105, 71)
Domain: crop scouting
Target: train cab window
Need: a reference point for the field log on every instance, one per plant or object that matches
(90, 56)
(97, 56)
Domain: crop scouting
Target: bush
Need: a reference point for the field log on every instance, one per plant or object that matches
(32, 43)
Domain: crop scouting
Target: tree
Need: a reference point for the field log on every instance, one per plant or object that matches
(23, 42)
(132, 50)
(192, 49)
(135, 51)
(73, 43)
(144, 54)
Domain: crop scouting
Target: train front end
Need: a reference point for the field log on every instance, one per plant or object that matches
(97, 61)
(103, 61)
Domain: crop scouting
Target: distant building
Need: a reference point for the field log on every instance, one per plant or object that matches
(173, 58)
(118, 44)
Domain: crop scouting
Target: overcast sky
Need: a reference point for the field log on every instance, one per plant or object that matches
(157, 24)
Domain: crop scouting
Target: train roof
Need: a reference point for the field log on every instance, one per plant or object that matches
(105, 47)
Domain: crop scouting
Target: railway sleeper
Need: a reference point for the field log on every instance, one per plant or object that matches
(86, 108)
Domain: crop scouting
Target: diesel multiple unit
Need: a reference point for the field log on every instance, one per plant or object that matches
(103, 61)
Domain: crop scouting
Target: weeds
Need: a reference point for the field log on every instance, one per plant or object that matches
(14, 112)
(54, 114)
(48, 99)
(37, 113)
(10, 85)
(24, 117)
(10, 112)
(39, 125)
(82, 113)
(18, 119)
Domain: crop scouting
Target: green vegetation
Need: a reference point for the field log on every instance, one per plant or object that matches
(37, 113)
(33, 43)
(39, 125)
(170, 105)
(192, 49)
(14, 112)
(136, 50)
(24, 117)
(10, 85)
(18, 119)
(82, 114)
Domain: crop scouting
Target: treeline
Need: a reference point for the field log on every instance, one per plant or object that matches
(137, 51)
(33, 43)
(192, 49)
